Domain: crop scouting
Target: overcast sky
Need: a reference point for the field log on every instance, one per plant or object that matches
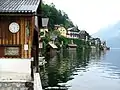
(90, 15)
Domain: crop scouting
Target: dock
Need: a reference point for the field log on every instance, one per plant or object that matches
(15, 74)
(37, 82)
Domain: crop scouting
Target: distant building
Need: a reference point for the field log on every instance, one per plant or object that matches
(84, 35)
(95, 41)
(61, 29)
(73, 32)
(103, 43)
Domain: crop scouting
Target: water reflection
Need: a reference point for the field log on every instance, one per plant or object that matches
(81, 70)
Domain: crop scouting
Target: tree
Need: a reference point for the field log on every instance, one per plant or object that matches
(55, 16)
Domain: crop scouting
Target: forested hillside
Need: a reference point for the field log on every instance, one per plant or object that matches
(55, 16)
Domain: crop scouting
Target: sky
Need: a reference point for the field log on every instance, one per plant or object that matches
(90, 15)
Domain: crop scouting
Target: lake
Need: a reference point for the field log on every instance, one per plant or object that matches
(82, 70)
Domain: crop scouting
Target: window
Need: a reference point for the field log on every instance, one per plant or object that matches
(11, 51)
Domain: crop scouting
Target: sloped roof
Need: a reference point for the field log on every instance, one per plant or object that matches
(83, 32)
(70, 28)
(19, 5)
(74, 29)
(72, 45)
(53, 45)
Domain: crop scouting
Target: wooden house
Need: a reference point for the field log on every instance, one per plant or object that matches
(84, 35)
(72, 47)
(18, 28)
(73, 32)
(51, 49)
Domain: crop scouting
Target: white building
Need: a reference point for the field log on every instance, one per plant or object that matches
(73, 32)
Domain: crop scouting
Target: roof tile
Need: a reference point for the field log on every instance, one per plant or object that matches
(18, 5)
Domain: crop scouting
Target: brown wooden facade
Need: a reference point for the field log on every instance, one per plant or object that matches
(22, 37)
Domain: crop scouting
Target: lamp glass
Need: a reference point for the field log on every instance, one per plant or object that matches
(45, 22)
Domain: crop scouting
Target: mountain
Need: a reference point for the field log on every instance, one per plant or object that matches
(111, 34)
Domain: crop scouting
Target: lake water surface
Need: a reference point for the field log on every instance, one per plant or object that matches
(83, 70)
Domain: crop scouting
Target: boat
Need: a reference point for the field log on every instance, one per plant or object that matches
(108, 48)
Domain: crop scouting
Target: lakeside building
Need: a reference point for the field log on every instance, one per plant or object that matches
(19, 34)
(61, 29)
(18, 28)
(73, 32)
(84, 35)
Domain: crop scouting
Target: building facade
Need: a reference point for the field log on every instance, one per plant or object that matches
(73, 32)
(18, 28)
(84, 35)
(61, 29)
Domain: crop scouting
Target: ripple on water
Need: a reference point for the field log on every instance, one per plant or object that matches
(86, 72)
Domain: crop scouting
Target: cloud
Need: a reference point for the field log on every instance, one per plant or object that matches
(90, 14)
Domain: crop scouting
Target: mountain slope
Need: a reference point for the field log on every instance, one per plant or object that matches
(111, 34)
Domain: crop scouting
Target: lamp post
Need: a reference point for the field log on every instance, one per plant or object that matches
(45, 22)
(43, 30)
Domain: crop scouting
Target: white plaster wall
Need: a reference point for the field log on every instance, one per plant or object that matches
(15, 65)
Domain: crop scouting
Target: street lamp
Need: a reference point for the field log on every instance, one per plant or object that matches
(43, 30)
(45, 22)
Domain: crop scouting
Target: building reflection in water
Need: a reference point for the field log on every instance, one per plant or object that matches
(64, 65)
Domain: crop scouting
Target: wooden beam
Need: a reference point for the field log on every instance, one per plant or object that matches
(21, 15)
